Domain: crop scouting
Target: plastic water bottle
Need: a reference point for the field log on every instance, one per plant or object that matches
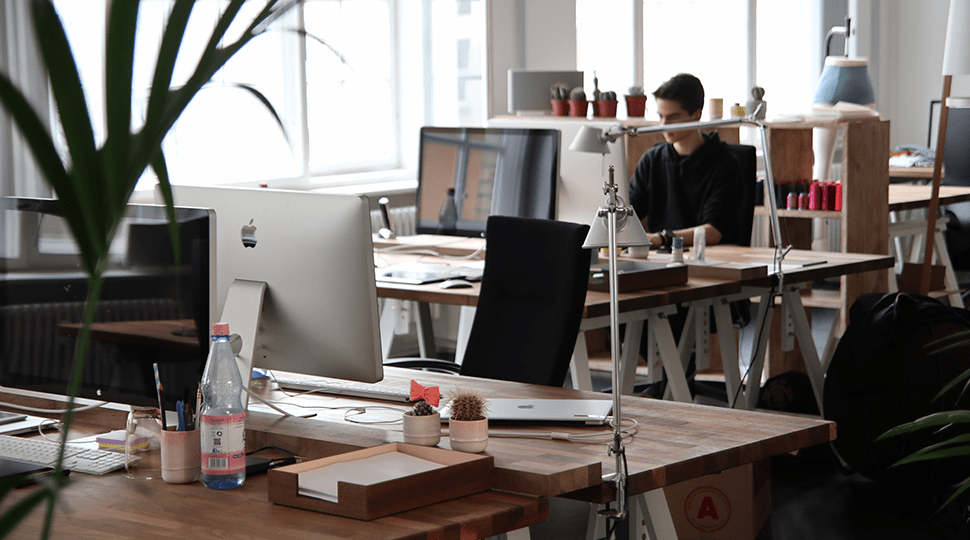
(223, 418)
(448, 217)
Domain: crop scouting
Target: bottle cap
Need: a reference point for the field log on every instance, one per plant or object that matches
(220, 329)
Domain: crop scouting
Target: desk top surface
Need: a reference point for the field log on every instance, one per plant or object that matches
(673, 441)
(909, 196)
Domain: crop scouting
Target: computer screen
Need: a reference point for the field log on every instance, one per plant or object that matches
(315, 253)
(149, 311)
(493, 171)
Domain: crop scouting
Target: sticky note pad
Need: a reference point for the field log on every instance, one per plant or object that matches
(116, 441)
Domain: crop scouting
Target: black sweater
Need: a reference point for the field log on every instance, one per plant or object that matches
(678, 192)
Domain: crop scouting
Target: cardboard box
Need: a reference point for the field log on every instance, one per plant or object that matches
(733, 504)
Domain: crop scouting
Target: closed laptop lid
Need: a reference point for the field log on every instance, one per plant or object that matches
(544, 411)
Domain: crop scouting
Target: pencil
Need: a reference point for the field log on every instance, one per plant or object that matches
(158, 390)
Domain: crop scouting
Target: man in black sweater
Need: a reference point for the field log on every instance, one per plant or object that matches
(690, 180)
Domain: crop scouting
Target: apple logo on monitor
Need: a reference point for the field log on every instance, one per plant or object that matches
(248, 235)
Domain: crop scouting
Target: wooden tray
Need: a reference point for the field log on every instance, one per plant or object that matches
(634, 275)
(463, 474)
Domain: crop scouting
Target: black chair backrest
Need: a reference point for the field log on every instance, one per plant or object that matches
(531, 301)
(748, 160)
(956, 155)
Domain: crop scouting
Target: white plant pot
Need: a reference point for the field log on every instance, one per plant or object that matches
(423, 430)
(468, 436)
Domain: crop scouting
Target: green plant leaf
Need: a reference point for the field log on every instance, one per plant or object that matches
(957, 380)
(266, 103)
(957, 493)
(14, 515)
(118, 68)
(935, 419)
(936, 454)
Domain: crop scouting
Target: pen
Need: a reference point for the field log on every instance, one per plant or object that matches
(180, 415)
(158, 390)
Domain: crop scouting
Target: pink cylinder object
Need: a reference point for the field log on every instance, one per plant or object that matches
(838, 196)
(828, 196)
(803, 201)
(815, 196)
(792, 202)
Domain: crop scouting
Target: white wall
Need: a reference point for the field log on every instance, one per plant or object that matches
(533, 34)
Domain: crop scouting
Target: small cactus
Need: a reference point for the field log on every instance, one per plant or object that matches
(422, 408)
(467, 406)
(608, 96)
(559, 91)
(634, 91)
(578, 94)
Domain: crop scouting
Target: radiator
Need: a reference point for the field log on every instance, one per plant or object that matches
(402, 218)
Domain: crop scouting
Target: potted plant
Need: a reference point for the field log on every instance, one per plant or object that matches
(606, 105)
(422, 425)
(636, 102)
(468, 425)
(577, 102)
(94, 183)
(560, 99)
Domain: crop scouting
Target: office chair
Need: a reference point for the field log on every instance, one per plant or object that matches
(956, 168)
(748, 160)
(529, 306)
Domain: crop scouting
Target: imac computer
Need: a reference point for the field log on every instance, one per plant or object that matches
(314, 252)
(150, 310)
(493, 171)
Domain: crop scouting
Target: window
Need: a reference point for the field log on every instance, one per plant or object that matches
(712, 39)
(407, 64)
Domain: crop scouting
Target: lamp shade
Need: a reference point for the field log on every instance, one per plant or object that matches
(629, 230)
(956, 54)
(590, 139)
(844, 79)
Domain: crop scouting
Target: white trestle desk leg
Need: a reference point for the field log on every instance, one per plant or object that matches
(943, 256)
(728, 349)
(518, 534)
(659, 326)
(425, 330)
(630, 355)
(466, 316)
(242, 310)
(389, 317)
(803, 332)
(579, 364)
(766, 306)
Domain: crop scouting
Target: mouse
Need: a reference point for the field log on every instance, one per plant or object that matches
(455, 284)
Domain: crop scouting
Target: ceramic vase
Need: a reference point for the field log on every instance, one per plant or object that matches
(578, 107)
(605, 108)
(560, 107)
(468, 436)
(636, 106)
(424, 430)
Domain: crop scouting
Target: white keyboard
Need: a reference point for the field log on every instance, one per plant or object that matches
(295, 381)
(76, 458)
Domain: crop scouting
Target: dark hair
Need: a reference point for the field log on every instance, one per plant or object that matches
(685, 89)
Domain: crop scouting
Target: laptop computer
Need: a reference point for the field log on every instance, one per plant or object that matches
(421, 273)
(590, 412)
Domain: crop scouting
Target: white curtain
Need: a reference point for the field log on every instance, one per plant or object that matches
(20, 61)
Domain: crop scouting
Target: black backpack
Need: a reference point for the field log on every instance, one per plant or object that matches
(883, 374)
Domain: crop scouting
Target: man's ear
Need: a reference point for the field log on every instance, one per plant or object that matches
(696, 117)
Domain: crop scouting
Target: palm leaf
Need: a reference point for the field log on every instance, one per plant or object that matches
(936, 419)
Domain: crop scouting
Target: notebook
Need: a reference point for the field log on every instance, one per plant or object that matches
(594, 412)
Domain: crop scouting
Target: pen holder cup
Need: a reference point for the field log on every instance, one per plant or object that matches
(143, 432)
(181, 456)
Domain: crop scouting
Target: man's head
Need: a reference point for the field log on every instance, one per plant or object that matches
(680, 99)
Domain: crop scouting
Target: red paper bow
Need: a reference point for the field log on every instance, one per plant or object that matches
(429, 393)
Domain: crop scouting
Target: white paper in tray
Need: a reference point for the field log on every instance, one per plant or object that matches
(322, 482)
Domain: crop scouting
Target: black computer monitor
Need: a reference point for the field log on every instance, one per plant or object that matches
(150, 310)
(494, 171)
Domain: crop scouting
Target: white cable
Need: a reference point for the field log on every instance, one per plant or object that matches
(52, 411)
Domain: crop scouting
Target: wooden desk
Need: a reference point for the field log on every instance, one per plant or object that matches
(112, 506)
(674, 442)
(911, 173)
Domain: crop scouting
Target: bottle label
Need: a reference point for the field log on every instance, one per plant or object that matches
(223, 443)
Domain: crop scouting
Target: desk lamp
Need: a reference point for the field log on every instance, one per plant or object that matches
(616, 224)
(956, 61)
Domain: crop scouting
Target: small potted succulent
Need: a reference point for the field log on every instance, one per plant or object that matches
(605, 104)
(636, 102)
(560, 99)
(468, 425)
(422, 425)
(577, 102)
